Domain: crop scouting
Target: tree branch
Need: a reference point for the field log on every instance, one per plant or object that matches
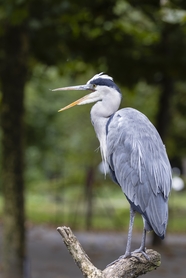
(123, 268)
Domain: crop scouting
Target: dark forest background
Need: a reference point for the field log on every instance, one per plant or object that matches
(47, 44)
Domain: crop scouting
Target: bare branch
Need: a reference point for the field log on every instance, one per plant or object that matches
(133, 267)
(123, 268)
(78, 254)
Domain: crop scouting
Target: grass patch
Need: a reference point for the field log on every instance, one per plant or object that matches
(45, 209)
(110, 209)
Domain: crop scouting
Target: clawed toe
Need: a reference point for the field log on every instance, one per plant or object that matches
(134, 255)
(112, 263)
(142, 252)
(126, 255)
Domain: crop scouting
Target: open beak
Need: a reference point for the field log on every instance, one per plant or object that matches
(86, 99)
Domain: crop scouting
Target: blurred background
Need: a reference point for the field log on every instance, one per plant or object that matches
(50, 167)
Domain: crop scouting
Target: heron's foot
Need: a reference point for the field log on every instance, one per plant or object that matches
(142, 251)
(134, 255)
(113, 262)
(126, 255)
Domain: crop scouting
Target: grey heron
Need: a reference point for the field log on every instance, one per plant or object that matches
(135, 153)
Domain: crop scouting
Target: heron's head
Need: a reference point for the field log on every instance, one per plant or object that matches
(99, 86)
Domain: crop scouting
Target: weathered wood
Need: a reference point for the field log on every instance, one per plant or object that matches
(122, 268)
(132, 267)
(78, 254)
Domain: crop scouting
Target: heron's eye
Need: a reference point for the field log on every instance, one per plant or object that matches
(94, 86)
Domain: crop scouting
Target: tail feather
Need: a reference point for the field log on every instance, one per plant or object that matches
(157, 214)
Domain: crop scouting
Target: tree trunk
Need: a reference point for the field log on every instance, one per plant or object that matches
(13, 78)
(89, 197)
(167, 91)
(164, 113)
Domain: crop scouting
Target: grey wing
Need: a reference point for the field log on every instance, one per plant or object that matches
(139, 163)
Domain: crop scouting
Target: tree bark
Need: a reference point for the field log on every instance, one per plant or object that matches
(164, 114)
(13, 78)
(89, 197)
(164, 117)
(121, 268)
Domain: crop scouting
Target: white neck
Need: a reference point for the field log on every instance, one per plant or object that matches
(100, 113)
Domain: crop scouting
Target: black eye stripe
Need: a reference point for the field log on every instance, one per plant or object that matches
(105, 82)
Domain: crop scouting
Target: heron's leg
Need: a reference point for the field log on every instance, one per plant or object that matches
(129, 238)
(142, 246)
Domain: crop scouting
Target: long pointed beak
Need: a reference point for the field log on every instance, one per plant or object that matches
(80, 101)
(77, 102)
(75, 88)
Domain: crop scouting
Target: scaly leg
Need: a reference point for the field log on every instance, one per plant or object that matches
(129, 238)
(142, 246)
(142, 249)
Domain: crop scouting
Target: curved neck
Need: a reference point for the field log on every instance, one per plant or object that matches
(107, 106)
(100, 113)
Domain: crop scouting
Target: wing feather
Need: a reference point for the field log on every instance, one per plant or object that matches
(140, 165)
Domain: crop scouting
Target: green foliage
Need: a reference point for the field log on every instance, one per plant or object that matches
(139, 43)
(58, 144)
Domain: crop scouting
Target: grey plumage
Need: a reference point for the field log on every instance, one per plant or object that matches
(141, 167)
(135, 153)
